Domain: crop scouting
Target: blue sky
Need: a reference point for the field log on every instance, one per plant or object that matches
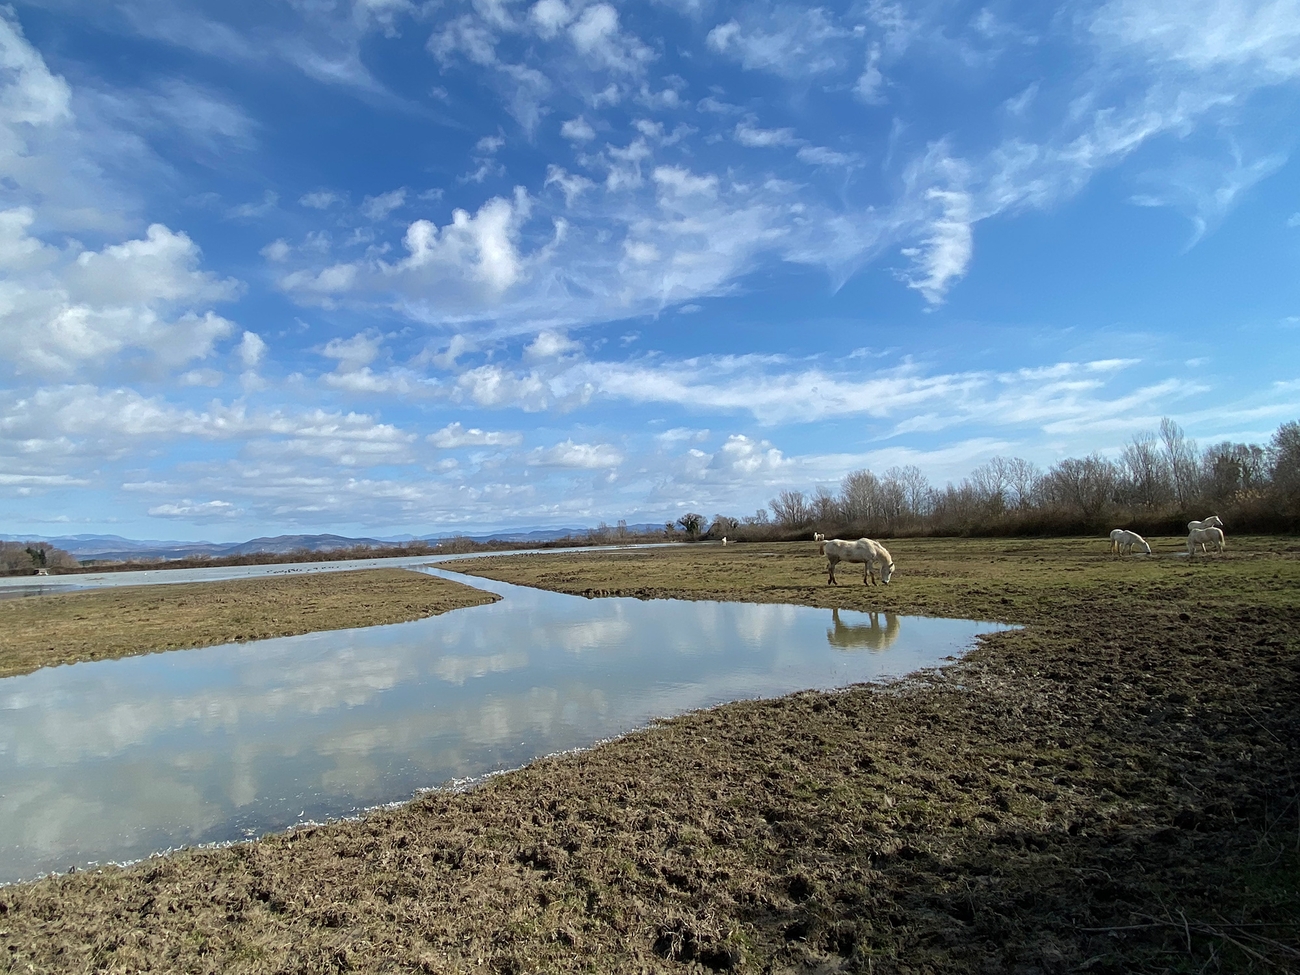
(383, 266)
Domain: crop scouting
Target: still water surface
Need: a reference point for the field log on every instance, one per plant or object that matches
(114, 760)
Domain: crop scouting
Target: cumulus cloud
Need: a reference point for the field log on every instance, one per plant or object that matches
(196, 511)
(455, 435)
(251, 350)
(581, 456)
(596, 35)
(550, 345)
(481, 245)
(320, 199)
(578, 130)
(748, 134)
(70, 309)
(378, 207)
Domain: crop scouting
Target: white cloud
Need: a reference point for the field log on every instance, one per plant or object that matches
(792, 41)
(251, 350)
(748, 134)
(742, 458)
(821, 156)
(682, 182)
(571, 184)
(550, 17)
(944, 255)
(277, 251)
(66, 310)
(1293, 220)
(378, 207)
(596, 35)
(550, 345)
(481, 246)
(578, 130)
(454, 435)
(200, 512)
(582, 456)
(320, 199)
(867, 88)
(353, 353)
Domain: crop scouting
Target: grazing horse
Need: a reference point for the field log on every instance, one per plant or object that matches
(1123, 542)
(871, 554)
(1211, 522)
(1202, 536)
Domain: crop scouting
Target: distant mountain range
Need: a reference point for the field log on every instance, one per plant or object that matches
(115, 548)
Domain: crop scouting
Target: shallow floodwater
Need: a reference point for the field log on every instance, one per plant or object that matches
(114, 760)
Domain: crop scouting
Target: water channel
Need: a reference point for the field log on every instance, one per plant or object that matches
(110, 761)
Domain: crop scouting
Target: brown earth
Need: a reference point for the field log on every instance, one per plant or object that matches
(44, 631)
(1112, 788)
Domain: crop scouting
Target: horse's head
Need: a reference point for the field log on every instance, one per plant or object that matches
(886, 573)
(821, 547)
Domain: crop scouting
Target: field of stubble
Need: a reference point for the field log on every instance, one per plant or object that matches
(1113, 788)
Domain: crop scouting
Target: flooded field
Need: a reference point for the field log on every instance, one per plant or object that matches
(1111, 788)
(114, 760)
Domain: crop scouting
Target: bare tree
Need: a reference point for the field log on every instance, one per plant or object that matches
(824, 508)
(1022, 478)
(722, 526)
(992, 483)
(790, 508)
(1180, 453)
(1229, 470)
(1284, 457)
(1086, 484)
(859, 497)
(916, 488)
(1148, 477)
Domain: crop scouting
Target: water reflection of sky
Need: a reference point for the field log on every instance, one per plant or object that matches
(112, 760)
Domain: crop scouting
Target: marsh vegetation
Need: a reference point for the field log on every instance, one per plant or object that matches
(1111, 789)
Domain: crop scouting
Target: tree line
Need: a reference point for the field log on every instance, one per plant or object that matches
(27, 558)
(1160, 481)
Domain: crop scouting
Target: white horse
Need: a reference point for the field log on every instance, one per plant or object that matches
(818, 537)
(1202, 536)
(1123, 541)
(724, 539)
(1211, 522)
(871, 554)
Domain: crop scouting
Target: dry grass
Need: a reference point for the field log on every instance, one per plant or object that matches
(1111, 789)
(44, 631)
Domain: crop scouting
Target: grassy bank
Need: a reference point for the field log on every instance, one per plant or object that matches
(1111, 789)
(43, 631)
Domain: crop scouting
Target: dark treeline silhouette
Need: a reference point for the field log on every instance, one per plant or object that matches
(1160, 481)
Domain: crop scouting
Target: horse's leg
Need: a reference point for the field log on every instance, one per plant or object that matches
(830, 573)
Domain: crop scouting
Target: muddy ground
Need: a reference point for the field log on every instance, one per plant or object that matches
(63, 628)
(1111, 789)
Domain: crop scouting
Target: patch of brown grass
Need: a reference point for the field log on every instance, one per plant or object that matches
(44, 631)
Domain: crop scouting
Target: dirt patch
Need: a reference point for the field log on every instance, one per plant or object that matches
(1111, 789)
(43, 631)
